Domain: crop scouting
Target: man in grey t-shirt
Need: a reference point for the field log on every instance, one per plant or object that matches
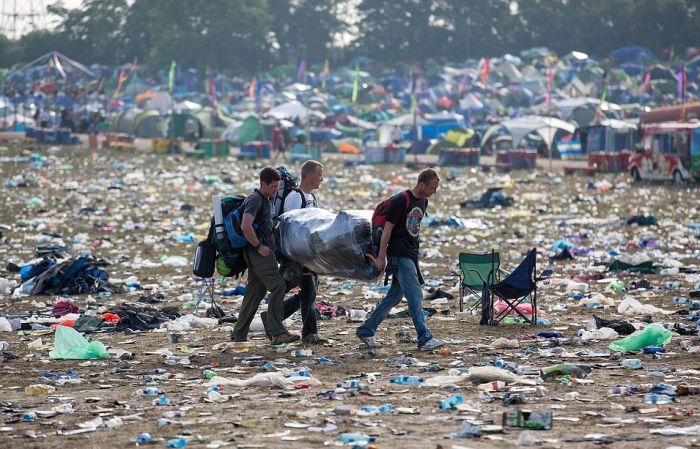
(263, 272)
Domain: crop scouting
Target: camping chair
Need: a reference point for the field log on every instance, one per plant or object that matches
(514, 289)
(474, 268)
(207, 292)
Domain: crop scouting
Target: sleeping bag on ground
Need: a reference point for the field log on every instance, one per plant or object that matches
(328, 243)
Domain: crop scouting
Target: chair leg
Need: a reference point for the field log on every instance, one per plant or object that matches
(461, 299)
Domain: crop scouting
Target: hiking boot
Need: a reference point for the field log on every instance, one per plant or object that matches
(284, 338)
(314, 339)
(370, 342)
(432, 345)
(263, 318)
(238, 338)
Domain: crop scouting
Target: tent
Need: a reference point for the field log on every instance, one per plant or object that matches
(546, 127)
(140, 123)
(290, 110)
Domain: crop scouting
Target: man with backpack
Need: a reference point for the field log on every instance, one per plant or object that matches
(398, 253)
(299, 198)
(263, 272)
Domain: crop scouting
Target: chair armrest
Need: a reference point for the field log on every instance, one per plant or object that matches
(478, 274)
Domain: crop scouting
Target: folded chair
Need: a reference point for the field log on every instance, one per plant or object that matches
(514, 289)
(474, 268)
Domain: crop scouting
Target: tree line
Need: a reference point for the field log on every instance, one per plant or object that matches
(246, 36)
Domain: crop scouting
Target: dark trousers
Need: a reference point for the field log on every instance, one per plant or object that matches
(304, 300)
(263, 276)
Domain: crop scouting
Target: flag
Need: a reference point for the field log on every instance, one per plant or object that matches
(251, 89)
(414, 100)
(681, 90)
(462, 86)
(120, 81)
(171, 76)
(356, 84)
(603, 94)
(485, 71)
(550, 79)
(324, 74)
(301, 72)
(645, 83)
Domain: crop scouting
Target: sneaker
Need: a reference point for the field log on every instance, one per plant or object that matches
(314, 339)
(284, 338)
(432, 345)
(263, 318)
(370, 342)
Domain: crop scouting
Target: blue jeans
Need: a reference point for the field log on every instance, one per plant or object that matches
(304, 300)
(404, 282)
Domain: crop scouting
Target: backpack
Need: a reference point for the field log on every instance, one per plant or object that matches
(223, 252)
(288, 184)
(379, 218)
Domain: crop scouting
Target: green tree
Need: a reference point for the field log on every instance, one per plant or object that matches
(305, 28)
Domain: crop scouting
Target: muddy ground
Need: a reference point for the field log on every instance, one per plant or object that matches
(137, 216)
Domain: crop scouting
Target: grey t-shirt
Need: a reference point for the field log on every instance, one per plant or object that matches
(260, 208)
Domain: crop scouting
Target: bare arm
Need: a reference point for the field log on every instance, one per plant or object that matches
(249, 233)
(383, 244)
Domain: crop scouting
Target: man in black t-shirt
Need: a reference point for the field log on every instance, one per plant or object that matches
(398, 253)
(263, 272)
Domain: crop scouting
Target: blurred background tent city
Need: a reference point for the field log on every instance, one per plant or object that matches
(343, 75)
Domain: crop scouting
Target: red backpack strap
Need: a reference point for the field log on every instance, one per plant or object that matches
(408, 198)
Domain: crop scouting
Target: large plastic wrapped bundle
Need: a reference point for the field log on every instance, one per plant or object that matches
(328, 243)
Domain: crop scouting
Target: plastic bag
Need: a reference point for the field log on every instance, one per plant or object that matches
(69, 344)
(652, 335)
(328, 243)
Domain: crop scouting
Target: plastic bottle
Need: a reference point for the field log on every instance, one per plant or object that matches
(679, 300)
(144, 438)
(669, 271)
(384, 408)
(209, 374)
(176, 442)
(668, 390)
(4, 346)
(352, 383)
(29, 417)
(150, 391)
(356, 438)
(39, 390)
(451, 402)
(302, 372)
(162, 400)
(617, 286)
(631, 363)
(407, 380)
(302, 353)
(653, 398)
(625, 390)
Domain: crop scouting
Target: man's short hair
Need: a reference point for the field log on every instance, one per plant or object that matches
(268, 175)
(309, 167)
(427, 175)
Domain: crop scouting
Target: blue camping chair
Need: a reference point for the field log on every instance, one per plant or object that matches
(514, 289)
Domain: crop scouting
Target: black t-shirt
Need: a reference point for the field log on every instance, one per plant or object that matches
(406, 220)
(260, 208)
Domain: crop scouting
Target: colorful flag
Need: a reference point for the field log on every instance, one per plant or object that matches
(645, 83)
(462, 86)
(251, 89)
(485, 71)
(301, 72)
(120, 81)
(550, 80)
(324, 74)
(171, 76)
(356, 84)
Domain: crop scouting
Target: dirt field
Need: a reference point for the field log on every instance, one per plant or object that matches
(135, 216)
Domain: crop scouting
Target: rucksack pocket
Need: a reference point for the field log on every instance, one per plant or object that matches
(204, 259)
